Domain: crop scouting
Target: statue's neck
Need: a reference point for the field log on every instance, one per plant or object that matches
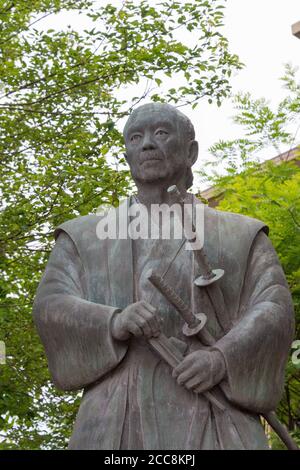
(151, 193)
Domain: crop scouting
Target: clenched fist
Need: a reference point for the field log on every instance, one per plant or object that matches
(138, 319)
(201, 370)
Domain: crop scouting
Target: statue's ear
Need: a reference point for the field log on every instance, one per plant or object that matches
(193, 152)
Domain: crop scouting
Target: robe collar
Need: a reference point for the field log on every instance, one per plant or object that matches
(120, 261)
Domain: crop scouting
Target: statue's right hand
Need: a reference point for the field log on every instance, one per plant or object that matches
(138, 319)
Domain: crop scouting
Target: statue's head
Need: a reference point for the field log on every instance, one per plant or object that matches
(160, 144)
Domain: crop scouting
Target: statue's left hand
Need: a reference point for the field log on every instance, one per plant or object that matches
(200, 370)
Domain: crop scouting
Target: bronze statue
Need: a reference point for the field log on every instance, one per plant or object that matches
(117, 316)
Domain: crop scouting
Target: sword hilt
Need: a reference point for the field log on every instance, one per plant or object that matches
(194, 324)
(208, 274)
(174, 299)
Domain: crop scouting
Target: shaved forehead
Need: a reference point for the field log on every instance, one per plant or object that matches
(164, 110)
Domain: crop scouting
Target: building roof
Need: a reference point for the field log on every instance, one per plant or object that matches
(213, 198)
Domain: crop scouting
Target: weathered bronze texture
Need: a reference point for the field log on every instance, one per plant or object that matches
(107, 330)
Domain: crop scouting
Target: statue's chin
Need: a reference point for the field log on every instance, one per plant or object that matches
(149, 178)
(152, 175)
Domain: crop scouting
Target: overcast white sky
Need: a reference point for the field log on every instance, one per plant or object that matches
(259, 31)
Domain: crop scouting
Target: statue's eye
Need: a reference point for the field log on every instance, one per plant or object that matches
(135, 137)
(161, 133)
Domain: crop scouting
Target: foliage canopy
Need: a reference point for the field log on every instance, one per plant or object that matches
(61, 98)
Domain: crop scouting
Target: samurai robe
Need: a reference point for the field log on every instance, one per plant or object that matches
(130, 400)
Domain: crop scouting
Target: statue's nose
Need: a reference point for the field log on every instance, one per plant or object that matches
(148, 143)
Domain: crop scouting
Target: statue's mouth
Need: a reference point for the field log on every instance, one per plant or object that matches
(149, 156)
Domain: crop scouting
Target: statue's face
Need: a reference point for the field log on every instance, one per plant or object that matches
(156, 147)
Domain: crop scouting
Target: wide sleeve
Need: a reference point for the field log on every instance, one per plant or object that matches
(76, 333)
(257, 347)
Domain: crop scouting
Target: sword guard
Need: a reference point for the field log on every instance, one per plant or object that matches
(192, 331)
(203, 281)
